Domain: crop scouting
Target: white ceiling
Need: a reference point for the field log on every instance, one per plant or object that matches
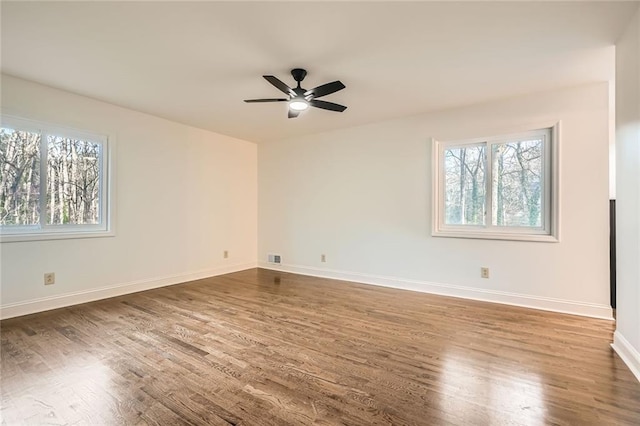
(194, 62)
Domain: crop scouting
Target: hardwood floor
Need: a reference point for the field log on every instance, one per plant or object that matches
(266, 348)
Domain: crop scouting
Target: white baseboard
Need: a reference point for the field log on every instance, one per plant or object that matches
(628, 353)
(527, 301)
(60, 301)
(549, 304)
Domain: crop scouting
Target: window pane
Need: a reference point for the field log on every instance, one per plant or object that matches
(464, 185)
(73, 180)
(517, 183)
(20, 180)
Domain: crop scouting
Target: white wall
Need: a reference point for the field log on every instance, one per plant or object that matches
(627, 335)
(612, 140)
(183, 195)
(362, 196)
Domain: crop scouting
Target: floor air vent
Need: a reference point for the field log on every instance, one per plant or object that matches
(274, 258)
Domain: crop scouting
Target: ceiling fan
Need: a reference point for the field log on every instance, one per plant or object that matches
(300, 99)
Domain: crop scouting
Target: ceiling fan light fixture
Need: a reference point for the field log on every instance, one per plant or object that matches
(298, 104)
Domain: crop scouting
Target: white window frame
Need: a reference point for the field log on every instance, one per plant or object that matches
(44, 231)
(549, 232)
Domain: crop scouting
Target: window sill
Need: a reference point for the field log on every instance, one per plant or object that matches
(543, 238)
(46, 236)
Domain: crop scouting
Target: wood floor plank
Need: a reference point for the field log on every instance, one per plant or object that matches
(260, 347)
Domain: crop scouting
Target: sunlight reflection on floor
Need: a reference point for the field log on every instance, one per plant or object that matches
(83, 391)
(481, 395)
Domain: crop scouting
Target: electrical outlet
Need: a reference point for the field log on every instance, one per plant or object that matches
(49, 278)
(484, 272)
(225, 254)
(323, 258)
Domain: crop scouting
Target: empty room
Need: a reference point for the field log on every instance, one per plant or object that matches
(320, 212)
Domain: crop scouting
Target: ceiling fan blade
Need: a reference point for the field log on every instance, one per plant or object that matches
(279, 85)
(267, 100)
(327, 105)
(293, 114)
(325, 89)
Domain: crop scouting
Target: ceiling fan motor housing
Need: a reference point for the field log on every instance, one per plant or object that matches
(298, 74)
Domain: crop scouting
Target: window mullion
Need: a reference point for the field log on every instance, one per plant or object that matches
(488, 198)
(44, 152)
(102, 185)
(441, 186)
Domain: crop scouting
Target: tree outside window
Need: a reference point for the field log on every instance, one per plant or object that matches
(496, 187)
(52, 180)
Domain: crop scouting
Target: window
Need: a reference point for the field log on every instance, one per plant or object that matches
(504, 187)
(54, 182)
